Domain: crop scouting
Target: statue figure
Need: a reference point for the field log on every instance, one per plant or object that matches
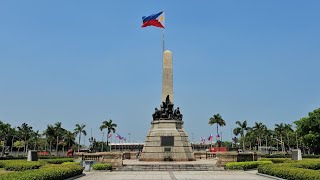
(156, 114)
(166, 111)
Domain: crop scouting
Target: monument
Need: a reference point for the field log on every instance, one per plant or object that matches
(167, 140)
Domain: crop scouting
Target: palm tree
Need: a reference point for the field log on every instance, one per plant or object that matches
(259, 129)
(50, 135)
(69, 138)
(35, 135)
(5, 132)
(241, 130)
(25, 131)
(80, 130)
(58, 133)
(280, 129)
(217, 119)
(288, 130)
(111, 128)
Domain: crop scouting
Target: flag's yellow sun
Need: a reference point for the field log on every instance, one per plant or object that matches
(161, 18)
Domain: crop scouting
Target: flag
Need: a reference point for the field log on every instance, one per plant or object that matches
(110, 135)
(156, 20)
(218, 135)
(210, 137)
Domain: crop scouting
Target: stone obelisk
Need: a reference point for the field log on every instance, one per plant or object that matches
(167, 139)
(167, 78)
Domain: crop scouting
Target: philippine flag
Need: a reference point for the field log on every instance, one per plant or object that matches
(154, 20)
(210, 137)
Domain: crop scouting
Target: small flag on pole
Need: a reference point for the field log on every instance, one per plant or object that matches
(110, 135)
(210, 137)
(218, 135)
(156, 20)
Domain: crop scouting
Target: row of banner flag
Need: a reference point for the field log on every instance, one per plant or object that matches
(203, 140)
(117, 136)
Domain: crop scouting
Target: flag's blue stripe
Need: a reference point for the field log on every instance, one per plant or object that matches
(151, 17)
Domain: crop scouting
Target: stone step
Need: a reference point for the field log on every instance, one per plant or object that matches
(184, 167)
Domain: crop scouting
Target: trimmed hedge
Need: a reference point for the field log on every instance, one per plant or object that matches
(102, 167)
(21, 165)
(277, 160)
(75, 163)
(289, 171)
(245, 165)
(58, 161)
(48, 172)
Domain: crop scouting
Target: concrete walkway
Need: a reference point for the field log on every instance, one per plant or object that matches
(173, 175)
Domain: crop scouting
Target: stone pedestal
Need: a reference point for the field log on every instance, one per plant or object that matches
(296, 154)
(167, 141)
(32, 155)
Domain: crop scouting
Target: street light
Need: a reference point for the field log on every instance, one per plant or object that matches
(92, 140)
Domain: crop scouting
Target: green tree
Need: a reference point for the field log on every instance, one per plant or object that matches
(69, 138)
(111, 128)
(217, 119)
(35, 138)
(259, 129)
(80, 130)
(5, 132)
(58, 134)
(243, 127)
(280, 130)
(19, 145)
(50, 135)
(25, 132)
(288, 131)
(308, 129)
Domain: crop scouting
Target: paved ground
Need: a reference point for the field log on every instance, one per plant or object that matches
(173, 175)
(198, 161)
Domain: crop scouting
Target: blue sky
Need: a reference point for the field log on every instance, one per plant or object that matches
(89, 61)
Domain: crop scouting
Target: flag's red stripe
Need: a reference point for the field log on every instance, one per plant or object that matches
(152, 23)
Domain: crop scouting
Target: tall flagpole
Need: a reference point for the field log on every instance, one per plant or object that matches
(163, 32)
(162, 40)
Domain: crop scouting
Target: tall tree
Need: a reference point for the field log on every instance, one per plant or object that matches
(5, 132)
(259, 129)
(241, 130)
(217, 119)
(308, 129)
(111, 128)
(25, 132)
(288, 131)
(80, 130)
(58, 133)
(50, 135)
(69, 138)
(280, 129)
(35, 137)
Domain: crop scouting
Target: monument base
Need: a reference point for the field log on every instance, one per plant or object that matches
(167, 141)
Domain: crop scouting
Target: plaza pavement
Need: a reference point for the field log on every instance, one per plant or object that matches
(172, 175)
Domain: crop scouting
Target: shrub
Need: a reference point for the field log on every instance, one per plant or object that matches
(288, 171)
(277, 156)
(310, 156)
(48, 172)
(277, 160)
(245, 165)
(76, 163)
(58, 161)
(53, 157)
(20, 165)
(102, 167)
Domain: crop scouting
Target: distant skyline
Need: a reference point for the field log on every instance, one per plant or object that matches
(86, 62)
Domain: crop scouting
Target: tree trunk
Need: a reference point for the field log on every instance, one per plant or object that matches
(282, 144)
(79, 142)
(243, 146)
(57, 145)
(4, 147)
(50, 147)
